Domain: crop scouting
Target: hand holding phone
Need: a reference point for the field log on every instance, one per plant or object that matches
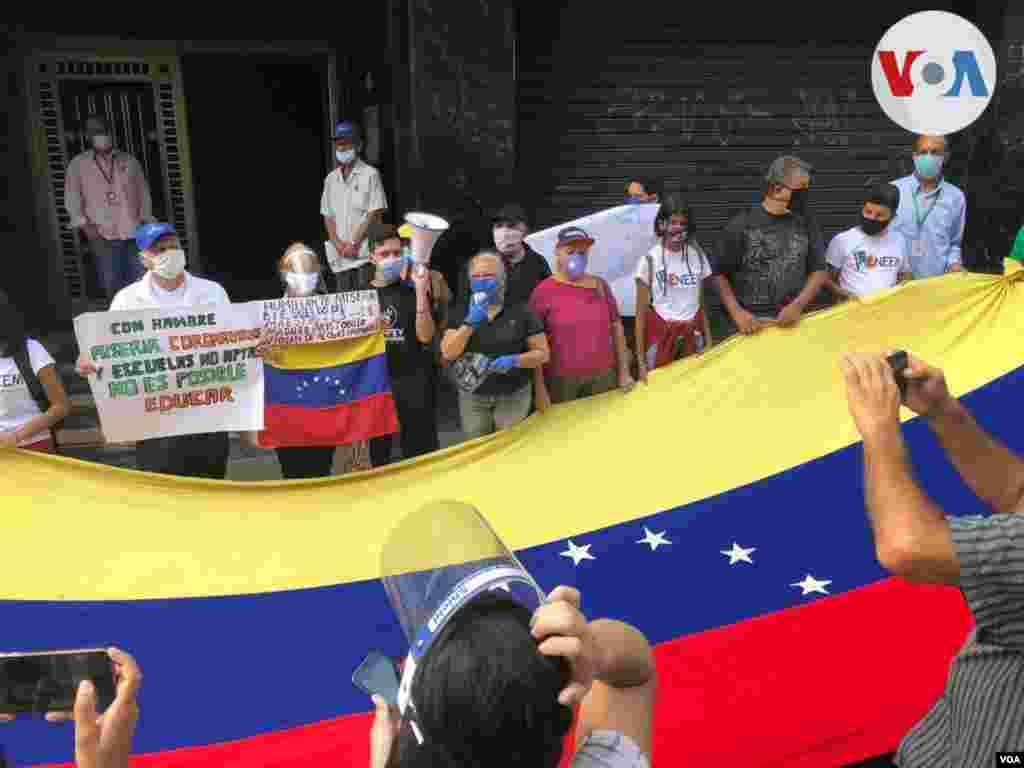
(898, 362)
(378, 675)
(46, 682)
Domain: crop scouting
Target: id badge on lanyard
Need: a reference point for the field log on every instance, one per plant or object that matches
(919, 248)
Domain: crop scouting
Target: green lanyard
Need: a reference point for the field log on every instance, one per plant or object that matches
(917, 211)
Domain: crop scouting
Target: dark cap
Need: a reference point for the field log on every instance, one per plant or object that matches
(574, 235)
(512, 213)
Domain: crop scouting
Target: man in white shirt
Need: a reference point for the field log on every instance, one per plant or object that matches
(107, 196)
(352, 199)
(168, 284)
(872, 256)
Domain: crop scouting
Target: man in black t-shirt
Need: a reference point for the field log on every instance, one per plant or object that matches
(525, 268)
(404, 297)
(771, 265)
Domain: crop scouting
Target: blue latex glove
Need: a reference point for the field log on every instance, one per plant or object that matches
(505, 363)
(477, 314)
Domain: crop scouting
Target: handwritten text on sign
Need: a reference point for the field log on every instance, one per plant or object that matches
(180, 371)
(315, 319)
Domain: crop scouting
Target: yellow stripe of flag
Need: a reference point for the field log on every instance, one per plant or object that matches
(329, 353)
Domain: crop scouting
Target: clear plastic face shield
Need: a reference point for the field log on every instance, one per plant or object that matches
(437, 560)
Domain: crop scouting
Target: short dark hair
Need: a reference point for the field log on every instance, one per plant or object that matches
(671, 205)
(485, 695)
(885, 194)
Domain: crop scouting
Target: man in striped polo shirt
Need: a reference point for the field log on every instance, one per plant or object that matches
(981, 711)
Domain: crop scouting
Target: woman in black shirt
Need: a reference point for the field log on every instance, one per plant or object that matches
(494, 352)
(409, 324)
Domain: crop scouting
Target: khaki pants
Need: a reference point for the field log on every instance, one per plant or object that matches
(483, 414)
(562, 389)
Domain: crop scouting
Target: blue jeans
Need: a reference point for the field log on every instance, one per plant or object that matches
(117, 264)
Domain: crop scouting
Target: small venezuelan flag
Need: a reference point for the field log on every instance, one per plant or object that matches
(332, 393)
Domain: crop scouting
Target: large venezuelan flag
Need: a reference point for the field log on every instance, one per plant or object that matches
(720, 509)
(333, 393)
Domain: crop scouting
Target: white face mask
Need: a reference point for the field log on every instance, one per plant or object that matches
(102, 143)
(508, 239)
(302, 283)
(169, 264)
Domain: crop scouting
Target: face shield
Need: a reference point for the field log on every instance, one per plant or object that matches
(437, 560)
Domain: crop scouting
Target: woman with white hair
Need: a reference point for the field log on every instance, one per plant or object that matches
(494, 352)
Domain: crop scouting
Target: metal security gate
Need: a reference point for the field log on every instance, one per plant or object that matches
(142, 99)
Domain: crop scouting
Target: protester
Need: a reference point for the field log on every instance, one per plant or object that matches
(670, 313)
(103, 741)
(410, 329)
(107, 197)
(301, 275)
(584, 330)
(641, 191)
(500, 685)
(981, 710)
(769, 266)
(503, 343)
(526, 268)
(440, 294)
(872, 256)
(32, 398)
(167, 284)
(932, 213)
(352, 199)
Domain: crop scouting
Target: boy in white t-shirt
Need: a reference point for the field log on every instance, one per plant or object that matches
(873, 256)
(670, 317)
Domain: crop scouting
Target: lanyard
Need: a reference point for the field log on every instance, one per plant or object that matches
(917, 211)
(109, 179)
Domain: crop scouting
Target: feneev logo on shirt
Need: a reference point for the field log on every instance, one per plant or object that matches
(933, 73)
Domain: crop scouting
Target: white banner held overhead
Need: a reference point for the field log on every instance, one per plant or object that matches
(622, 236)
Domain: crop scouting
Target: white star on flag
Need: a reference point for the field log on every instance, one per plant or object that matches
(578, 553)
(811, 584)
(738, 553)
(654, 539)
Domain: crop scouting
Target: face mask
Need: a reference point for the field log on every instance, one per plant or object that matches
(345, 157)
(635, 199)
(170, 264)
(485, 289)
(507, 239)
(302, 283)
(872, 226)
(798, 201)
(390, 269)
(575, 266)
(928, 166)
(102, 143)
(678, 232)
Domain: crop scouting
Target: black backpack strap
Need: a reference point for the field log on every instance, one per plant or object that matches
(35, 386)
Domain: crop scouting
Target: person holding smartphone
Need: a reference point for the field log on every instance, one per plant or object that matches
(104, 741)
(520, 696)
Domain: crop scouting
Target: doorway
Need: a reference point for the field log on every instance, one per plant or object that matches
(258, 130)
(130, 109)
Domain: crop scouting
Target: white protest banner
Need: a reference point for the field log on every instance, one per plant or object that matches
(175, 371)
(316, 319)
(622, 236)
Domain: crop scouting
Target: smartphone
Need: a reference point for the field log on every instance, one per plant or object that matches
(898, 362)
(378, 675)
(47, 681)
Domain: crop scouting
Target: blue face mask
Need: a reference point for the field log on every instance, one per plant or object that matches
(633, 200)
(346, 157)
(390, 270)
(928, 166)
(487, 287)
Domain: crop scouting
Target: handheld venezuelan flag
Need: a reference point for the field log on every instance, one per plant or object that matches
(331, 393)
(736, 539)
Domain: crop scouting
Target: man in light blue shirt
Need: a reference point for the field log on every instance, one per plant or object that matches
(932, 212)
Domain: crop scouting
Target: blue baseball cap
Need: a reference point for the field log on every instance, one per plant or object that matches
(346, 130)
(574, 235)
(147, 234)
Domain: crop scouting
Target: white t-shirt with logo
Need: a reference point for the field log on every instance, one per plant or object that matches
(868, 264)
(16, 403)
(146, 294)
(676, 290)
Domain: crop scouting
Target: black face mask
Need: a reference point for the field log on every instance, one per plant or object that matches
(798, 201)
(872, 226)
